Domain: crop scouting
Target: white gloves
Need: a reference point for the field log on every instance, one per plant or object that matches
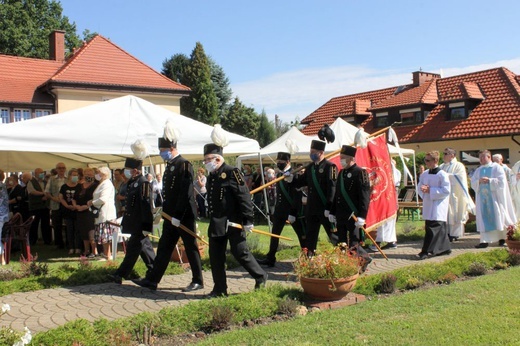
(326, 213)
(248, 228)
(360, 222)
(288, 176)
(291, 218)
(176, 222)
(332, 218)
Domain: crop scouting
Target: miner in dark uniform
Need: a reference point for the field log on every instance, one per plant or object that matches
(137, 218)
(320, 178)
(352, 196)
(287, 202)
(228, 199)
(179, 203)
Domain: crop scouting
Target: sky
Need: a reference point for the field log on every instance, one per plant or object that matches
(290, 57)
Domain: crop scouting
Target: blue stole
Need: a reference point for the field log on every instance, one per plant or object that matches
(487, 206)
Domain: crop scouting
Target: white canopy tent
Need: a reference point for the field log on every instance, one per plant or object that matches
(101, 134)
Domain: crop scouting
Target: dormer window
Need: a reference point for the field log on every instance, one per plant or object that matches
(457, 111)
(411, 116)
(382, 119)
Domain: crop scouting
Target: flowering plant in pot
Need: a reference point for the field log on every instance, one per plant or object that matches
(334, 270)
(513, 236)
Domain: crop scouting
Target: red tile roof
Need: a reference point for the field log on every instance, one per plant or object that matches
(101, 62)
(355, 107)
(19, 78)
(497, 112)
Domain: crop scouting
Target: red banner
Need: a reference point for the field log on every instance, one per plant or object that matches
(375, 158)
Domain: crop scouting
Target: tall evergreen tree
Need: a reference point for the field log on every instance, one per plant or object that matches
(175, 67)
(241, 120)
(266, 131)
(25, 26)
(221, 85)
(202, 105)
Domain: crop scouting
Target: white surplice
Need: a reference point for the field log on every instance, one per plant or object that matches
(436, 202)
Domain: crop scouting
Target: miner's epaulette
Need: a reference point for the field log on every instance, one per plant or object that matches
(333, 172)
(186, 168)
(238, 176)
(364, 176)
(146, 188)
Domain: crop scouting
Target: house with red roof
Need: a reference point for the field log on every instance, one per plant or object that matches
(96, 72)
(469, 112)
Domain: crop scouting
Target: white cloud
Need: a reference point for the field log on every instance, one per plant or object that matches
(299, 93)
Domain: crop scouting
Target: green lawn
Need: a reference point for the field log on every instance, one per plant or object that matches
(481, 311)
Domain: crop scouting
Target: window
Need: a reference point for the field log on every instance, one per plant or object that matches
(4, 113)
(41, 112)
(382, 119)
(457, 111)
(22, 114)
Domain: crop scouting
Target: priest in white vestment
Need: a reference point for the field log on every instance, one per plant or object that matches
(460, 200)
(434, 189)
(515, 189)
(494, 206)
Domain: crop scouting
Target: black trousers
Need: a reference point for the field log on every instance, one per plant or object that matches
(169, 238)
(278, 225)
(137, 245)
(57, 225)
(313, 231)
(41, 216)
(239, 250)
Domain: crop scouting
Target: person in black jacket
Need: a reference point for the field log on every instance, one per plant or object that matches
(228, 200)
(179, 203)
(285, 209)
(137, 218)
(320, 178)
(352, 196)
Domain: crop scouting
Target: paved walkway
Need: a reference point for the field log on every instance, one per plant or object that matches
(50, 308)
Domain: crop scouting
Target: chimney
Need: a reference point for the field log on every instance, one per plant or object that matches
(57, 45)
(419, 77)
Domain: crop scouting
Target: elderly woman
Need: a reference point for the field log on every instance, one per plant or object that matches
(103, 206)
(84, 218)
(68, 211)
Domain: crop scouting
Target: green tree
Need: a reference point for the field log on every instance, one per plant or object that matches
(221, 86)
(202, 105)
(266, 130)
(241, 120)
(175, 67)
(25, 26)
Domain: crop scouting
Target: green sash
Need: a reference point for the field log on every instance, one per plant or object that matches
(286, 193)
(346, 196)
(318, 187)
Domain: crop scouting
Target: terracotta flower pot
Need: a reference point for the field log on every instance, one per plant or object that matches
(183, 258)
(513, 244)
(323, 289)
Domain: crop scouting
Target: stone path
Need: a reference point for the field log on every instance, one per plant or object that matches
(50, 308)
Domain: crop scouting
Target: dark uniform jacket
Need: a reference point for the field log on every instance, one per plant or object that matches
(286, 200)
(326, 174)
(138, 215)
(357, 187)
(178, 197)
(228, 199)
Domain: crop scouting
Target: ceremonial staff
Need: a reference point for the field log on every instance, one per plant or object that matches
(184, 228)
(237, 225)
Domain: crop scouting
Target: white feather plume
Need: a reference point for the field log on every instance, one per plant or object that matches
(360, 139)
(291, 146)
(392, 136)
(140, 149)
(219, 136)
(171, 132)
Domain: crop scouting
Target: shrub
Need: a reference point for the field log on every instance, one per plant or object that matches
(33, 268)
(413, 283)
(288, 306)
(476, 269)
(500, 265)
(513, 257)
(387, 284)
(9, 274)
(221, 317)
(447, 278)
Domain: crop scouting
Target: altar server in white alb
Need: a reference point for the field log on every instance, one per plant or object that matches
(460, 200)
(434, 189)
(494, 207)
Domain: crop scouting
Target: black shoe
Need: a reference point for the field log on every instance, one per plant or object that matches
(482, 246)
(193, 287)
(145, 283)
(389, 246)
(214, 294)
(364, 267)
(453, 239)
(115, 278)
(266, 262)
(260, 283)
(422, 255)
(502, 242)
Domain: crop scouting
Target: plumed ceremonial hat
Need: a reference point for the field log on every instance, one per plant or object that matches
(326, 133)
(348, 150)
(170, 137)
(317, 145)
(283, 156)
(212, 148)
(133, 163)
(166, 143)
